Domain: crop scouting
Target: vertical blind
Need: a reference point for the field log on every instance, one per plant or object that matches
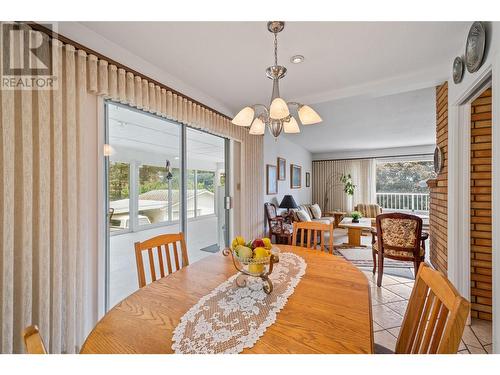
(44, 237)
(328, 190)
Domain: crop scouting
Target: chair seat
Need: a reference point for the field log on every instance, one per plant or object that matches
(398, 253)
(276, 228)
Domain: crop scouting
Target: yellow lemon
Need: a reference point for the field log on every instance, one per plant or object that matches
(234, 244)
(259, 252)
(255, 268)
(240, 240)
(243, 251)
(267, 243)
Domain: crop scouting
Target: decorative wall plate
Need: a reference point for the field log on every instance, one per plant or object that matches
(458, 69)
(474, 49)
(438, 159)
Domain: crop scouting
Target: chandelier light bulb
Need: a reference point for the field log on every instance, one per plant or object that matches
(279, 109)
(291, 127)
(258, 127)
(308, 116)
(244, 117)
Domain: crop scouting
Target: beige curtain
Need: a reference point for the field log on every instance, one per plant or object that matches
(328, 191)
(44, 233)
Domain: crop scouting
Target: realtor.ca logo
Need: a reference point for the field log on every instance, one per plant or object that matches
(26, 62)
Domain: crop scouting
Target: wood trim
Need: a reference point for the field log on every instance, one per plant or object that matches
(66, 40)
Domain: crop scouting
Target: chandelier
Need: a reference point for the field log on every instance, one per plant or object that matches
(277, 116)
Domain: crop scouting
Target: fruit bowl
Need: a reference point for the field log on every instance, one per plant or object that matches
(255, 258)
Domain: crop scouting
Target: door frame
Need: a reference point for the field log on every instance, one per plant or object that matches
(459, 138)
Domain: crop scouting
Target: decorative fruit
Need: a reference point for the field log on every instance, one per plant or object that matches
(237, 241)
(258, 243)
(256, 268)
(259, 252)
(243, 251)
(267, 243)
(234, 244)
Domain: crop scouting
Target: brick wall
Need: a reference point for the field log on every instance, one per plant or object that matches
(438, 188)
(480, 204)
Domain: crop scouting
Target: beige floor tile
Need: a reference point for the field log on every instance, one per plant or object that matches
(401, 279)
(386, 317)
(377, 327)
(483, 330)
(489, 348)
(462, 345)
(474, 350)
(386, 280)
(402, 290)
(399, 306)
(465, 351)
(470, 339)
(394, 331)
(384, 296)
(384, 338)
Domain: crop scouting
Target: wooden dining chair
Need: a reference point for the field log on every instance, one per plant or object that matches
(310, 232)
(435, 317)
(33, 341)
(165, 247)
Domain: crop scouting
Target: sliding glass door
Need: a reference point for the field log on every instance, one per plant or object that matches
(147, 158)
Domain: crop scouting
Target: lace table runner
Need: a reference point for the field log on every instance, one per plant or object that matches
(231, 318)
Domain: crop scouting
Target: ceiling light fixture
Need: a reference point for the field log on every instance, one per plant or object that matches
(296, 59)
(277, 115)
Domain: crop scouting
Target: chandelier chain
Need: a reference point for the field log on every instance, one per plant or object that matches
(275, 49)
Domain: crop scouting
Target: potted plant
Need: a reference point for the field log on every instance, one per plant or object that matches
(349, 188)
(356, 215)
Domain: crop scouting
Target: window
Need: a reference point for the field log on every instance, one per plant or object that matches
(401, 184)
(119, 195)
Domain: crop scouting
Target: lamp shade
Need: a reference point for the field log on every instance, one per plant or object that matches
(279, 109)
(244, 117)
(258, 127)
(291, 126)
(308, 116)
(288, 202)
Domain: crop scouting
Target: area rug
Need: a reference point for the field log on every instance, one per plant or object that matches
(362, 258)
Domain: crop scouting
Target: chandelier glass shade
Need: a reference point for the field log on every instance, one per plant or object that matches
(276, 116)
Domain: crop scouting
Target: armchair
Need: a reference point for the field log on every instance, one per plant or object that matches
(278, 227)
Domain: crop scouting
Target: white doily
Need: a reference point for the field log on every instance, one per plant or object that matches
(231, 318)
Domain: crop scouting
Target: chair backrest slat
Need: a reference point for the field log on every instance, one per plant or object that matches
(158, 242)
(435, 317)
(33, 341)
(309, 232)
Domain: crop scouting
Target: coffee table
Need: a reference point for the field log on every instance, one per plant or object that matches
(354, 230)
(337, 215)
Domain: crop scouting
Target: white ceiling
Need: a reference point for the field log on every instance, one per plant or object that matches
(367, 123)
(146, 138)
(227, 60)
(225, 63)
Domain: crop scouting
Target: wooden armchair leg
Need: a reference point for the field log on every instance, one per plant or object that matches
(380, 268)
(374, 261)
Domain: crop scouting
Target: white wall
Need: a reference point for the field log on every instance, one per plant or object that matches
(293, 154)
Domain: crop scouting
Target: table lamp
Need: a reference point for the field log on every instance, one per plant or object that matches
(288, 202)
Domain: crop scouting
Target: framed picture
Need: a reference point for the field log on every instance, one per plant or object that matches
(308, 179)
(281, 169)
(271, 179)
(295, 176)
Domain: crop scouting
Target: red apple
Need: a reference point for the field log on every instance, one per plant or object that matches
(258, 243)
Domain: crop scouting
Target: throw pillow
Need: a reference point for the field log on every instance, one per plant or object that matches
(303, 215)
(316, 211)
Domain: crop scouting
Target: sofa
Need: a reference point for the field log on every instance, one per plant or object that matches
(308, 208)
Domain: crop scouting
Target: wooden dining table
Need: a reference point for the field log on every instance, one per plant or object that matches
(329, 311)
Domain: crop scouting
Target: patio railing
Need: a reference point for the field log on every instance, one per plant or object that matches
(404, 201)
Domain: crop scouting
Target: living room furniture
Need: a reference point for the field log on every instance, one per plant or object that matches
(435, 317)
(399, 236)
(33, 341)
(325, 219)
(369, 210)
(337, 216)
(313, 234)
(161, 245)
(332, 283)
(288, 202)
(354, 230)
(278, 226)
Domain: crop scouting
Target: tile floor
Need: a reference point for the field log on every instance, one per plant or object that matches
(389, 305)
